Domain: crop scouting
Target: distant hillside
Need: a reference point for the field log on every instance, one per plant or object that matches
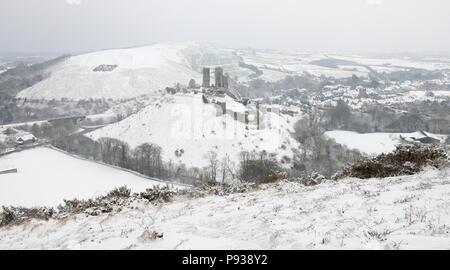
(12, 81)
(125, 73)
(131, 72)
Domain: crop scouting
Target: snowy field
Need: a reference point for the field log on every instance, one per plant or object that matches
(375, 143)
(406, 212)
(45, 177)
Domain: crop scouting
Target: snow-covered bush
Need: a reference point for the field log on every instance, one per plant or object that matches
(105, 68)
(16, 215)
(104, 204)
(226, 189)
(157, 193)
(120, 192)
(91, 206)
(405, 160)
(310, 179)
(216, 189)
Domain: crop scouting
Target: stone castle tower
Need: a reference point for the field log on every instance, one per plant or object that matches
(218, 75)
(221, 81)
(206, 78)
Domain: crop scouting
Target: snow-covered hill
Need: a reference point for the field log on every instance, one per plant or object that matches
(406, 212)
(377, 143)
(130, 72)
(184, 122)
(46, 177)
(125, 73)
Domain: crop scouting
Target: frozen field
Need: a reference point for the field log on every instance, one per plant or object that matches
(45, 177)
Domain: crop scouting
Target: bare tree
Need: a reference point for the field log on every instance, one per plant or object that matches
(256, 166)
(115, 152)
(148, 159)
(213, 164)
(226, 167)
(192, 84)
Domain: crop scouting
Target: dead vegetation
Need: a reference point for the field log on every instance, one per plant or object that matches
(150, 235)
(306, 179)
(406, 199)
(274, 176)
(378, 235)
(405, 160)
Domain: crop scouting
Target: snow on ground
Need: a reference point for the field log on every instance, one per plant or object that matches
(29, 123)
(46, 177)
(295, 63)
(274, 65)
(406, 212)
(422, 95)
(375, 143)
(441, 93)
(399, 63)
(184, 122)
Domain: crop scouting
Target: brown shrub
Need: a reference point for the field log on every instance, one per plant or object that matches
(273, 177)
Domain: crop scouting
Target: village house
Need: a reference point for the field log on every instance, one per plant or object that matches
(26, 139)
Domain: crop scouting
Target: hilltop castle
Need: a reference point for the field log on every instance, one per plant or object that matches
(221, 80)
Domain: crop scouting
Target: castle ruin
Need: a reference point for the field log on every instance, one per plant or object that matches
(206, 78)
(221, 80)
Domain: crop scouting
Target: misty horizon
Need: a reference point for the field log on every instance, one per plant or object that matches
(351, 26)
(54, 54)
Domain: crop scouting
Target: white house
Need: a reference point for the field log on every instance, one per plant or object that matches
(26, 139)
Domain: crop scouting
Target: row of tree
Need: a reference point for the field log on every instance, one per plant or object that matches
(147, 159)
(22, 110)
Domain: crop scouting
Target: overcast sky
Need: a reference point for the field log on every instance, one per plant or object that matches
(73, 26)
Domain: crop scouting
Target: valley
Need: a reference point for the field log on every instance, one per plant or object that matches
(180, 135)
